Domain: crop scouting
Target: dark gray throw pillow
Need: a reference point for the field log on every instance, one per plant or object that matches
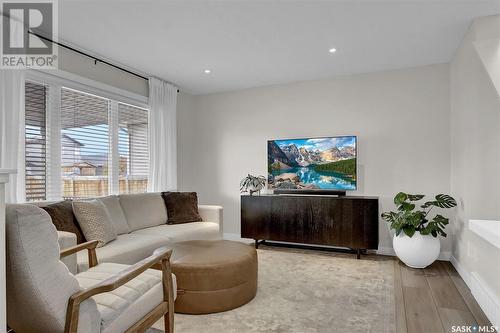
(182, 207)
(63, 218)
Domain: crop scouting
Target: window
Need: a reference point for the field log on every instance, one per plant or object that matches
(35, 141)
(99, 145)
(84, 144)
(133, 148)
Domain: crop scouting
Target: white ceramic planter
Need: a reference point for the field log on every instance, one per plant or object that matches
(418, 251)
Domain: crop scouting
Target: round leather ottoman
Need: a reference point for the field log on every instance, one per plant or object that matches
(213, 276)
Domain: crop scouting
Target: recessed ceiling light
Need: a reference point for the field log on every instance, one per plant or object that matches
(207, 71)
(332, 50)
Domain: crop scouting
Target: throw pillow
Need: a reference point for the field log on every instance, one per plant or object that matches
(63, 219)
(182, 207)
(94, 221)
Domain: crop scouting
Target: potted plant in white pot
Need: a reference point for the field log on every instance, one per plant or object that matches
(416, 241)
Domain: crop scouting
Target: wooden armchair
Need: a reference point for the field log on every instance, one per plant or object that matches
(43, 296)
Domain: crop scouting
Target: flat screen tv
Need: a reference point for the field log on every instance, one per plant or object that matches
(312, 164)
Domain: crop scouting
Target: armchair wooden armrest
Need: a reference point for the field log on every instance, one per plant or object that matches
(90, 246)
(161, 255)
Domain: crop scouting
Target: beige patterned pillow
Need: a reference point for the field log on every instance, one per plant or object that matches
(95, 221)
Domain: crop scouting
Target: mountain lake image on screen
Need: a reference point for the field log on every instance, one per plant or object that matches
(327, 163)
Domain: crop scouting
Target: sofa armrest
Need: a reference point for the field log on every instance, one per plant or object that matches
(67, 240)
(211, 213)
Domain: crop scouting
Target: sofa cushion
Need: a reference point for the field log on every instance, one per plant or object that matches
(183, 232)
(125, 249)
(124, 306)
(95, 221)
(182, 207)
(112, 204)
(143, 210)
(63, 218)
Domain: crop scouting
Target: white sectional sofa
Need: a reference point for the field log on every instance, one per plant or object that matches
(140, 222)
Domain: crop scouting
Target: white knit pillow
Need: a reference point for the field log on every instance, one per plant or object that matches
(95, 221)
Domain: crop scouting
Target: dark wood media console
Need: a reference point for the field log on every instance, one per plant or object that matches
(340, 221)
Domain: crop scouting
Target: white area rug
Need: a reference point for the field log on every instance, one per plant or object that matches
(308, 292)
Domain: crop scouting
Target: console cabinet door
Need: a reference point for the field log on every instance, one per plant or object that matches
(255, 216)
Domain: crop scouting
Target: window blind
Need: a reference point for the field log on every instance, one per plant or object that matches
(132, 149)
(35, 141)
(84, 144)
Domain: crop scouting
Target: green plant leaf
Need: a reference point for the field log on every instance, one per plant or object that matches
(442, 201)
(415, 197)
(406, 206)
(424, 232)
(400, 198)
(440, 220)
(389, 216)
(409, 230)
(416, 219)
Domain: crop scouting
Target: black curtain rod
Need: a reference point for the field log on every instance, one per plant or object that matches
(88, 55)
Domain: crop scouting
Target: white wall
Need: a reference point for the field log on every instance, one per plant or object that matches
(475, 160)
(75, 63)
(401, 119)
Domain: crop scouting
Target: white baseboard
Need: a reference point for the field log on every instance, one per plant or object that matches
(231, 236)
(485, 297)
(386, 251)
(236, 237)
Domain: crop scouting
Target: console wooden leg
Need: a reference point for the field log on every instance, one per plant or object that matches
(358, 253)
(256, 243)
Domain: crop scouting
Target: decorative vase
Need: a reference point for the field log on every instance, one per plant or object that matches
(418, 251)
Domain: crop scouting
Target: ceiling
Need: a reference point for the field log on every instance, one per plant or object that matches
(254, 43)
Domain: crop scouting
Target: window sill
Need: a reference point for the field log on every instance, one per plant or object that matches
(488, 230)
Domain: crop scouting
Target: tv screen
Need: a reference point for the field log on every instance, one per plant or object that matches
(312, 163)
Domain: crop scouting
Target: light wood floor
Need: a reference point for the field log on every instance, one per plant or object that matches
(433, 299)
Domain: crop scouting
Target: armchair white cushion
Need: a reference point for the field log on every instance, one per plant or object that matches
(124, 306)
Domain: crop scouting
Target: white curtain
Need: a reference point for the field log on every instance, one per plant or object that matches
(162, 136)
(12, 131)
